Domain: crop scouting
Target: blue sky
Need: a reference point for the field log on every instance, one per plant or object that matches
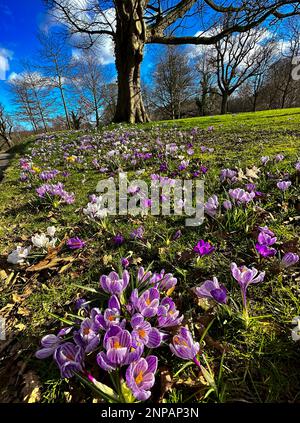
(19, 23)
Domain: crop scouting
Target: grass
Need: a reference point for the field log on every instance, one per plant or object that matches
(257, 362)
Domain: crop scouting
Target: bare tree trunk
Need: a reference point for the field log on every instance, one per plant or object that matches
(254, 102)
(129, 46)
(224, 104)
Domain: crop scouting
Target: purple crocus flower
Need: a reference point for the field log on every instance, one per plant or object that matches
(266, 239)
(183, 345)
(69, 358)
(265, 251)
(297, 166)
(144, 333)
(211, 206)
(241, 196)
(125, 262)
(245, 276)
(284, 185)
(110, 317)
(264, 160)
(227, 205)
(87, 336)
(211, 289)
(167, 315)
(140, 377)
(279, 157)
(75, 243)
(147, 304)
(289, 259)
(250, 187)
(119, 349)
(118, 239)
(266, 230)
(81, 304)
(228, 175)
(51, 342)
(203, 248)
(177, 235)
(143, 276)
(138, 233)
(113, 284)
(203, 169)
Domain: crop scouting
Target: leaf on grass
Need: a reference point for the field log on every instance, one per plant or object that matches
(253, 172)
(49, 263)
(22, 311)
(166, 382)
(137, 261)
(20, 326)
(107, 259)
(17, 298)
(3, 275)
(32, 388)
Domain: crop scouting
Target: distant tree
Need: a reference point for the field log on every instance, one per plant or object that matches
(173, 82)
(6, 126)
(89, 83)
(207, 80)
(239, 57)
(289, 53)
(56, 65)
(22, 99)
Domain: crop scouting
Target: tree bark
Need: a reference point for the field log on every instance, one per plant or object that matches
(130, 40)
(224, 104)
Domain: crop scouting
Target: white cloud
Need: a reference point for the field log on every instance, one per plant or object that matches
(5, 57)
(106, 20)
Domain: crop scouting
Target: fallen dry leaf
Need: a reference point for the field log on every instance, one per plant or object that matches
(32, 388)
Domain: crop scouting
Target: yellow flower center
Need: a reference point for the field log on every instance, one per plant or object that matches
(179, 341)
(117, 344)
(142, 333)
(139, 377)
(148, 301)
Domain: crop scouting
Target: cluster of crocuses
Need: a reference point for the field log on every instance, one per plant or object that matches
(55, 193)
(265, 247)
(139, 317)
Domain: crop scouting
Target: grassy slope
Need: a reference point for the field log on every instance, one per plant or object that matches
(260, 364)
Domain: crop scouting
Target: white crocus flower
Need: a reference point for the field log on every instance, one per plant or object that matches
(40, 240)
(51, 231)
(19, 255)
(95, 210)
(296, 329)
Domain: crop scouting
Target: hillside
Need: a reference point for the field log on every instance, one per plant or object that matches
(246, 347)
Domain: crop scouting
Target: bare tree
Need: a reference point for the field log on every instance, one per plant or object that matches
(206, 70)
(133, 23)
(56, 60)
(174, 82)
(289, 53)
(89, 82)
(239, 57)
(6, 126)
(23, 101)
